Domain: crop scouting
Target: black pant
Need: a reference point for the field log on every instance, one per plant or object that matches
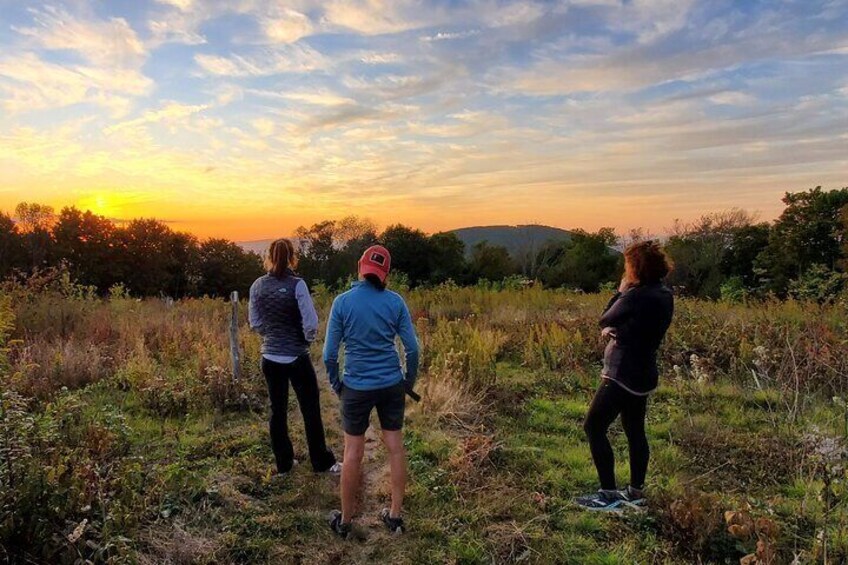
(610, 401)
(305, 385)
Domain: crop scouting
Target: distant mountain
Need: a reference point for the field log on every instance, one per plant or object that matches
(518, 240)
(259, 246)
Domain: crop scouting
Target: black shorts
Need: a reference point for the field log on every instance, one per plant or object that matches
(357, 405)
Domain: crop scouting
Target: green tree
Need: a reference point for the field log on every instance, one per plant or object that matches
(34, 222)
(490, 262)
(12, 251)
(34, 217)
(448, 258)
(223, 266)
(329, 250)
(153, 259)
(708, 251)
(86, 242)
(810, 231)
(738, 260)
(412, 252)
(585, 261)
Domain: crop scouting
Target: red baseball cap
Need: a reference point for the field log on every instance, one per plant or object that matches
(376, 261)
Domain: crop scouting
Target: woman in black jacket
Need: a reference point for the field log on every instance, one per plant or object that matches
(635, 321)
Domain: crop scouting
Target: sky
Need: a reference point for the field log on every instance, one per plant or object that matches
(245, 119)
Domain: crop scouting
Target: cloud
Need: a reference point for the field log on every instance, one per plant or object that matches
(590, 106)
(447, 35)
(287, 26)
(315, 97)
(107, 43)
(266, 62)
(377, 17)
(170, 112)
(516, 13)
(174, 31)
(227, 93)
(732, 98)
(263, 126)
(343, 116)
(629, 68)
(380, 58)
(108, 73)
(183, 5)
(400, 86)
(29, 83)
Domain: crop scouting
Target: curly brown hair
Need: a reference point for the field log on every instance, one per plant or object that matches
(645, 262)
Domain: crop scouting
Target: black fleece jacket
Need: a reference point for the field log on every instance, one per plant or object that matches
(639, 318)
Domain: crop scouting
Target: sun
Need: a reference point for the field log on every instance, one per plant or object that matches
(100, 204)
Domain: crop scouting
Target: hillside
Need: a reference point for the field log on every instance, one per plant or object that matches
(517, 239)
(259, 246)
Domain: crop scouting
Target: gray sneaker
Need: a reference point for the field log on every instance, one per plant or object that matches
(601, 501)
(336, 469)
(633, 497)
(341, 529)
(394, 525)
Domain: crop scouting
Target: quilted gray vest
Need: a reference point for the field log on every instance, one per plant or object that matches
(282, 324)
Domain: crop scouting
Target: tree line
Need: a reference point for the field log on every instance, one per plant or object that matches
(145, 256)
(803, 254)
(728, 255)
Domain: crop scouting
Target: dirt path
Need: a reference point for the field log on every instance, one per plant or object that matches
(375, 492)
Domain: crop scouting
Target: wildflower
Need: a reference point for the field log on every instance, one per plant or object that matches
(699, 369)
(74, 536)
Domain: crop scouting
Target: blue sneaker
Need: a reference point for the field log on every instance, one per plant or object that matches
(601, 501)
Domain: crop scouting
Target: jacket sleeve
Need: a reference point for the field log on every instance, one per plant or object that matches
(254, 315)
(307, 311)
(332, 343)
(610, 304)
(406, 331)
(621, 315)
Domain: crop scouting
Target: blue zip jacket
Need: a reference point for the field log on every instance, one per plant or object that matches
(367, 320)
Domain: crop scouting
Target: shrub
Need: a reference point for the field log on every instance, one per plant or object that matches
(462, 352)
(67, 470)
(555, 346)
(818, 284)
(225, 394)
(693, 522)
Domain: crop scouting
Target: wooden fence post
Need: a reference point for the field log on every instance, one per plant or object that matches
(235, 355)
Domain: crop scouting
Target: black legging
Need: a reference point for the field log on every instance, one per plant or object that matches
(610, 401)
(305, 385)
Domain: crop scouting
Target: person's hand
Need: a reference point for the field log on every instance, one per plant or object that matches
(608, 332)
(623, 285)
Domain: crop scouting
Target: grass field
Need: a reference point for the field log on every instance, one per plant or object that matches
(124, 439)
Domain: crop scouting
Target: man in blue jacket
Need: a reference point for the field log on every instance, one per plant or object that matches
(367, 318)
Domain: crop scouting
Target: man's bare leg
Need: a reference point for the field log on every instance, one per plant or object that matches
(393, 441)
(351, 472)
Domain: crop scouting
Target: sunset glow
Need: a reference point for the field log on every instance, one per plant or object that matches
(245, 119)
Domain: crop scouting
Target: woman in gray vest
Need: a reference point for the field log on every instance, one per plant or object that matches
(282, 312)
